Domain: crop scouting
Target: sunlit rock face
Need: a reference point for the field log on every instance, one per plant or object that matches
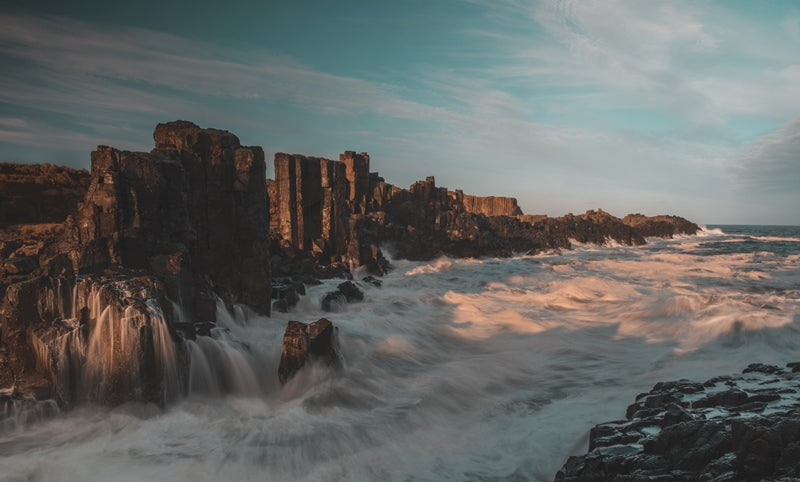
(491, 205)
(192, 212)
(92, 339)
(321, 208)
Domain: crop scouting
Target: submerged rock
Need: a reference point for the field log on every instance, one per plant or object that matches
(304, 343)
(743, 427)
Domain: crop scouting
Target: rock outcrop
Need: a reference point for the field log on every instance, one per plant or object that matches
(307, 343)
(99, 339)
(662, 226)
(491, 205)
(729, 428)
(317, 208)
(157, 234)
(128, 262)
(418, 223)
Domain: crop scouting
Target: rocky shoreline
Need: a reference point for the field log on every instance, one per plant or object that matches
(106, 276)
(728, 428)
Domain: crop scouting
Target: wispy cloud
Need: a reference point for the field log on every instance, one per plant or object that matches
(772, 162)
(695, 61)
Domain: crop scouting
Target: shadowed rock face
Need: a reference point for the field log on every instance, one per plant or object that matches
(187, 221)
(227, 206)
(40, 193)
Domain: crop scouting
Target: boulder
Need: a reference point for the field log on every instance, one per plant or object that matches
(350, 291)
(307, 343)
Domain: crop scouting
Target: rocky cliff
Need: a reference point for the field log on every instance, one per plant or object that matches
(98, 304)
(156, 240)
(312, 201)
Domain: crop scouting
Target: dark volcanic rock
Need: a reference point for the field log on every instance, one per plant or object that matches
(333, 301)
(193, 213)
(351, 291)
(227, 207)
(286, 296)
(660, 226)
(729, 428)
(186, 222)
(304, 343)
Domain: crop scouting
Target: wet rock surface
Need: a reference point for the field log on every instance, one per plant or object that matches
(305, 343)
(89, 304)
(728, 428)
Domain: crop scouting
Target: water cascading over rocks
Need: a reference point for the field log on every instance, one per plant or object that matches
(158, 239)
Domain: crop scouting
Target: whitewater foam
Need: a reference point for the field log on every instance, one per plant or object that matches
(492, 368)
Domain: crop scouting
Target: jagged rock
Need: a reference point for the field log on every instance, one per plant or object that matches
(305, 343)
(350, 291)
(97, 339)
(729, 428)
(227, 207)
(660, 226)
(187, 222)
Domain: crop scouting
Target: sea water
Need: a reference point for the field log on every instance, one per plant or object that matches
(456, 369)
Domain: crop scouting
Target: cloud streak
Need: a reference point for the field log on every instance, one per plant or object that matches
(772, 162)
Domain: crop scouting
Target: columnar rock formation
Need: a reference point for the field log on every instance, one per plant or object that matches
(421, 222)
(492, 205)
(309, 204)
(318, 205)
(107, 297)
(179, 227)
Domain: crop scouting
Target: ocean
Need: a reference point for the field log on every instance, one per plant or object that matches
(455, 369)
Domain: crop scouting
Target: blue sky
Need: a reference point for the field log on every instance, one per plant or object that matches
(689, 108)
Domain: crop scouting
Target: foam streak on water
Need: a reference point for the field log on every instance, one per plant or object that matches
(455, 369)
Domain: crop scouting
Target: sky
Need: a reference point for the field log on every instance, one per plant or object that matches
(659, 107)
